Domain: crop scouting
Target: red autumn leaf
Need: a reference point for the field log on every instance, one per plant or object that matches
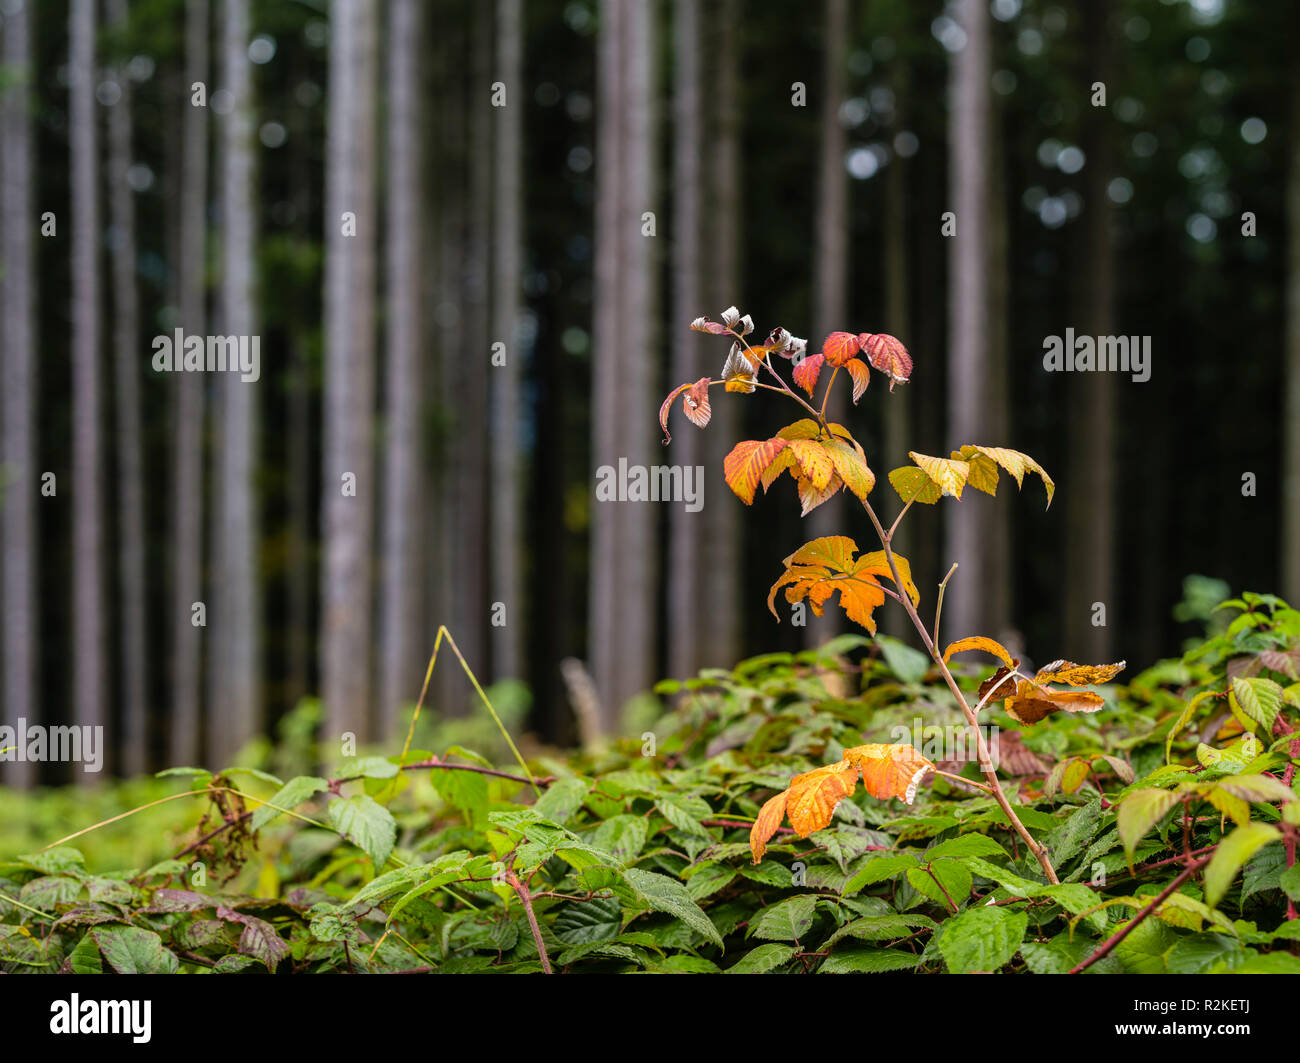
(806, 372)
(887, 354)
(839, 347)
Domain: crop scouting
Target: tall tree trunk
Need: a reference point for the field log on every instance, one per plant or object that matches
(720, 637)
(897, 413)
(687, 542)
(18, 359)
(970, 386)
(126, 338)
(455, 576)
(1290, 561)
(187, 419)
(831, 266)
(623, 593)
(348, 474)
(399, 647)
(1090, 488)
(90, 672)
(233, 705)
(506, 582)
(995, 565)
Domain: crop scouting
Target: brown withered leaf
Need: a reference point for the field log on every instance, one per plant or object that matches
(995, 683)
(1032, 703)
(1078, 675)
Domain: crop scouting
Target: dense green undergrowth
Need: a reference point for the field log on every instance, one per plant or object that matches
(1169, 816)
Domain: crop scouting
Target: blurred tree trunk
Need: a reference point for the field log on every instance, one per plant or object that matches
(126, 339)
(460, 601)
(687, 542)
(1290, 561)
(399, 645)
(830, 270)
(621, 617)
(348, 474)
(90, 671)
(970, 382)
(18, 365)
(187, 419)
(507, 250)
(897, 413)
(233, 711)
(719, 639)
(1090, 485)
(995, 573)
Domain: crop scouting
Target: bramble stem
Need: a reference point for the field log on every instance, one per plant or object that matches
(986, 764)
(938, 606)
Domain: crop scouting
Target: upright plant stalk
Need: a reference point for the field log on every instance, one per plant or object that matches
(986, 764)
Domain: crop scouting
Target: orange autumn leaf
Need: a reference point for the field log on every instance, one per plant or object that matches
(1078, 675)
(743, 467)
(821, 568)
(979, 642)
(861, 377)
(807, 371)
(695, 403)
(839, 347)
(814, 795)
(889, 770)
(769, 819)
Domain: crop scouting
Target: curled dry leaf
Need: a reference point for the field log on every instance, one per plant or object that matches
(887, 771)
(695, 404)
(714, 328)
(738, 371)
